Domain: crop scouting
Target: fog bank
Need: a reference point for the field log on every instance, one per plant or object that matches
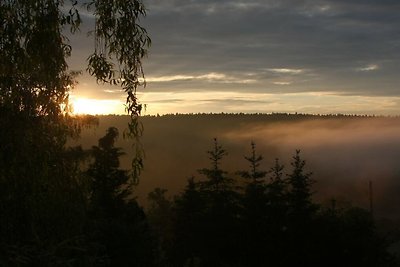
(343, 153)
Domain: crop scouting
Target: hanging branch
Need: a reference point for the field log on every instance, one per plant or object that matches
(120, 45)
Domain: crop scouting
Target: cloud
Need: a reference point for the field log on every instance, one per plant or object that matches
(370, 67)
(282, 83)
(270, 33)
(287, 71)
(169, 78)
(270, 46)
(210, 77)
(109, 91)
(246, 36)
(305, 102)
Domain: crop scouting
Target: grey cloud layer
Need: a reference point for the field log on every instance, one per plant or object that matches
(332, 40)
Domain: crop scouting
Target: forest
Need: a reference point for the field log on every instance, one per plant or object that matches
(183, 131)
(345, 153)
(68, 199)
(266, 217)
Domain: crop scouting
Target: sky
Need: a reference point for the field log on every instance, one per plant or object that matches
(306, 56)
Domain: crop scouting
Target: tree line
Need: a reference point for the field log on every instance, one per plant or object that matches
(84, 214)
(268, 218)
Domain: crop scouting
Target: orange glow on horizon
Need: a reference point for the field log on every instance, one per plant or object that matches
(92, 106)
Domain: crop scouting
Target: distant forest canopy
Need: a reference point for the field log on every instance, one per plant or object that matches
(277, 114)
(272, 114)
(265, 114)
(344, 152)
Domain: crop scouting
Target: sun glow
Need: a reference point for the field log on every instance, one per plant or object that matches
(96, 106)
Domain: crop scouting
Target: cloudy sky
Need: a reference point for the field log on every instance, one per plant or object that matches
(313, 56)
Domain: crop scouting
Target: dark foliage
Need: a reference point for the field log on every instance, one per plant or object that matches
(266, 223)
(44, 207)
(55, 212)
(117, 225)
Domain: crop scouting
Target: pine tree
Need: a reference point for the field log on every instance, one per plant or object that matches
(254, 211)
(109, 183)
(190, 242)
(300, 183)
(300, 215)
(254, 198)
(117, 224)
(254, 174)
(161, 216)
(217, 179)
(220, 225)
(277, 187)
(277, 222)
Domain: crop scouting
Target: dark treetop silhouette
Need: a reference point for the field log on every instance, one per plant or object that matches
(43, 192)
(263, 222)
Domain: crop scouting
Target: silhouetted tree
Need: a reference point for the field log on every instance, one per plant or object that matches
(43, 204)
(348, 237)
(37, 188)
(42, 195)
(277, 209)
(189, 228)
(117, 224)
(34, 77)
(161, 215)
(277, 196)
(299, 195)
(254, 212)
(300, 216)
(217, 181)
(220, 225)
(279, 225)
(110, 184)
(361, 244)
(254, 174)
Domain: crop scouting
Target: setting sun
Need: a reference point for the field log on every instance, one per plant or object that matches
(96, 106)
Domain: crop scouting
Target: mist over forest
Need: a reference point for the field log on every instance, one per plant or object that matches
(344, 153)
(199, 190)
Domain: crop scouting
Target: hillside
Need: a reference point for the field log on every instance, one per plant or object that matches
(343, 152)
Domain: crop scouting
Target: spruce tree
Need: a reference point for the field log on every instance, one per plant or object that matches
(300, 216)
(277, 207)
(190, 242)
(277, 187)
(116, 223)
(161, 216)
(300, 194)
(254, 201)
(254, 211)
(217, 180)
(109, 183)
(220, 226)
(254, 174)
